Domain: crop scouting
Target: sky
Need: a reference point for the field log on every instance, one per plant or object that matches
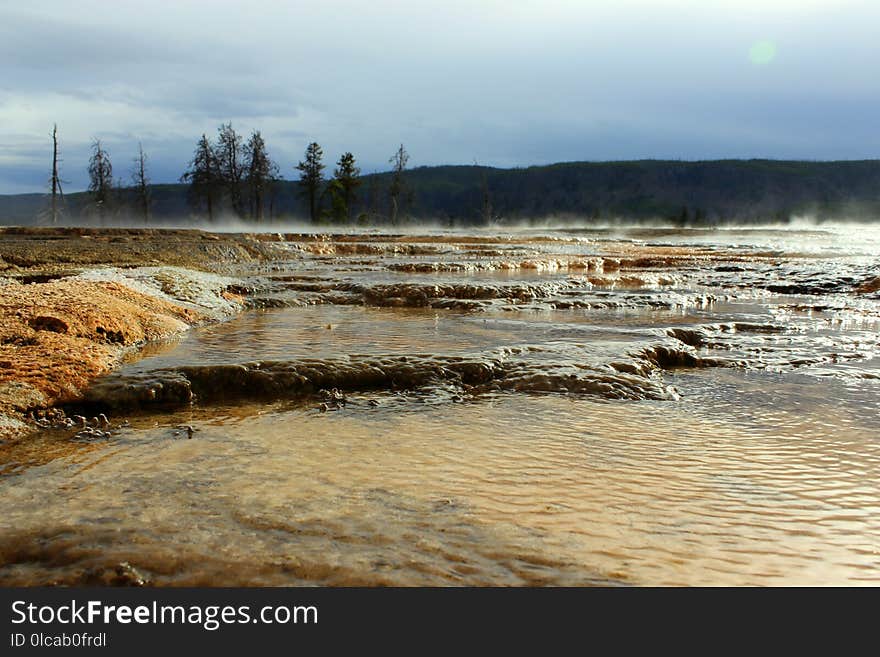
(497, 82)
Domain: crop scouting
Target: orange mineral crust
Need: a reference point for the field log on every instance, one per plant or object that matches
(57, 336)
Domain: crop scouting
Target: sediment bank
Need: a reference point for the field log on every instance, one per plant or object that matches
(75, 301)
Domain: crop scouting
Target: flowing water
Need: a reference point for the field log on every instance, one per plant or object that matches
(533, 407)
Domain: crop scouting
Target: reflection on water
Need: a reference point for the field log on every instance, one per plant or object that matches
(764, 470)
(529, 490)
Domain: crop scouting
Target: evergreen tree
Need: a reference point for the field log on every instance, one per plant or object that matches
(346, 183)
(100, 179)
(229, 152)
(203, 177)
(260, 174)
(312, 178)
(338, 211)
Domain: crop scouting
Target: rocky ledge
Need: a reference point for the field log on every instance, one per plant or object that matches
(74, 301)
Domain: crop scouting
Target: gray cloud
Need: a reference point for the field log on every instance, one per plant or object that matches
(506, 83)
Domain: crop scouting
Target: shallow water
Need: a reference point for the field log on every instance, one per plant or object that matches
(572, 407)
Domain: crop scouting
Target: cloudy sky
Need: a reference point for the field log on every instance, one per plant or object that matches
(500, 82)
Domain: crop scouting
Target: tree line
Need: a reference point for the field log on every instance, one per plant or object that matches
(230, 176)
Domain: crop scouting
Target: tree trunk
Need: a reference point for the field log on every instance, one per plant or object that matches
(55, 184)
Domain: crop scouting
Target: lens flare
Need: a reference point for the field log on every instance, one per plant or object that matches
(762, 53)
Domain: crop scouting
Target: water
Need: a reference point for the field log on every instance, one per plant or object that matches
(581, 407)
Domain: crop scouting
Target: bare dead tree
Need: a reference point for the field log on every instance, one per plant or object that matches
(55, 180)
(142, 183)
(398, 163)
(100, 178)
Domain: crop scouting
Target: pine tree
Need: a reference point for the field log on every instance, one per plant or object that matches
(312, 178)
(348, 180)
(203, 178)
(260, 174)
(229, 151)
(338, 210)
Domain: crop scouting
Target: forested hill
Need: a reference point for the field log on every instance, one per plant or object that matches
(684, 192)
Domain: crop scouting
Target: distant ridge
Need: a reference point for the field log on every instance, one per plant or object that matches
(702, 192)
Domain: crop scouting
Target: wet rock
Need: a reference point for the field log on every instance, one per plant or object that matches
(332, 379)
(50, 418)
(808, 287)
(162, 389)
(869, 286)
(690, 336)
(266, 302)
(123, 574)
(90, 434)
(668, 358)
(439, 295)
(629, 367)
(186, 429)
(751, 327)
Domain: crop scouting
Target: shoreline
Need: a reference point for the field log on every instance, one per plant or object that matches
(77, 301)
